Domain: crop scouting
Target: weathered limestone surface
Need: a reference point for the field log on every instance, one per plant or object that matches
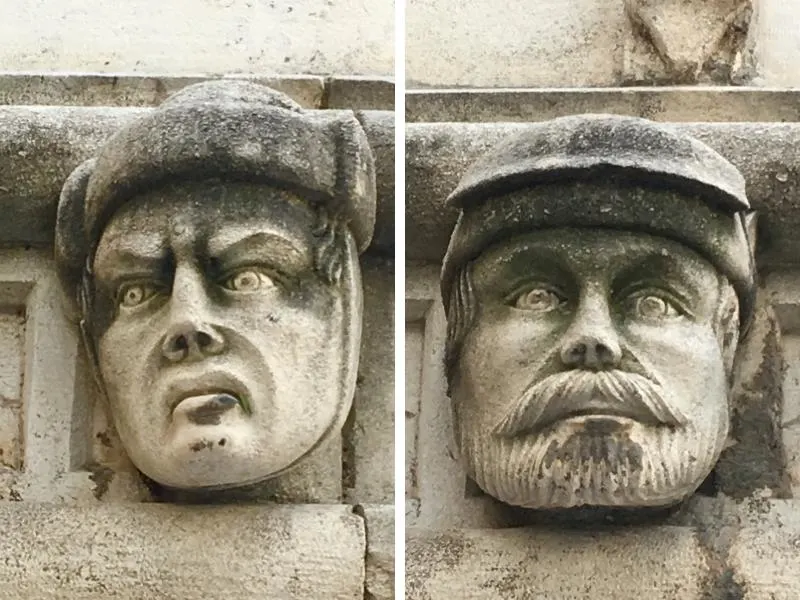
(364, 93)
(592, 43)
(135, 90)
(673, 103)
(766, 551)
(209, 36)
(360, 92)
(39, 146)
(132, 552)
(371, 435)
(550, 43)
(379, 521)
(767, 154)
(659, 563)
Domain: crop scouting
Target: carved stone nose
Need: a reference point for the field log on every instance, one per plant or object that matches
(588, 352)
(189, 341)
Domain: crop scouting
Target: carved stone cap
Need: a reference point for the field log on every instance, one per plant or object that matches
(700, 197)
(231, 130)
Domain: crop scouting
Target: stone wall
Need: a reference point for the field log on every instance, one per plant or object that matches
(592, 43)
(202, 37)
(80, 520)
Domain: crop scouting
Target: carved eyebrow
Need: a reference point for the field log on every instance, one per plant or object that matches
(130, 254)
(657, 265)
(227, 246)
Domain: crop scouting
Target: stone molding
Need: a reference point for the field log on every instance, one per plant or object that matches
(167, 551)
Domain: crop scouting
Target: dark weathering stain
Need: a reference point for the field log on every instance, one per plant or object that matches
(197, 446)
(597, 446)
(101, 476)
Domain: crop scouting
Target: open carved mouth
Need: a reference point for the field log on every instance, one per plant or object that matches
(213, 394)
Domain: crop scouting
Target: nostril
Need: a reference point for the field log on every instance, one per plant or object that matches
(203, 339)
(180, 344)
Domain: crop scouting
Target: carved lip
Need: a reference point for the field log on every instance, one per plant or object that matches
(206, 384)
(599, 408)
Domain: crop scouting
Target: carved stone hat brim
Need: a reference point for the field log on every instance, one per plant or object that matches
(579, 146)
(230, 130)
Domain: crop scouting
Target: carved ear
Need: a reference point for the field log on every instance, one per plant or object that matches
(70, 236)
(750, 220)
(728, 329)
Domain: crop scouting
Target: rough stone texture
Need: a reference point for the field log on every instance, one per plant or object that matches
(379, 522)
(766, 551)
(674, 41)
(371, 436)
(783, 289)
(674, 103)
(39, 146)
(549, 43)
(659, 563)
(755, 458)
(159, 551)
(208, 37)
(766, 153)
(360, 92)
(592, 43)
(137, 90)
(778, 46)
(379, 126)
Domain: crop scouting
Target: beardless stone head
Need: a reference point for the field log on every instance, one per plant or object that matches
(592, 323)
(217, 274)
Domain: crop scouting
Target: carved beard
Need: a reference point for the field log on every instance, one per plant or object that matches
(535, 459)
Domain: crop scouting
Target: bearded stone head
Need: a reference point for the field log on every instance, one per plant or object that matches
(596, 285)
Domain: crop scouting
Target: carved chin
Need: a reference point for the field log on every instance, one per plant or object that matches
(574, 465)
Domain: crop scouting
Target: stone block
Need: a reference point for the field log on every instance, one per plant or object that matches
(657, 563)
(210, 37)
(783, 289)
(133, 90)
(360, 93)
(668, 104)
(379, 522)
(766, 551)
(130, 552)
(371, 435)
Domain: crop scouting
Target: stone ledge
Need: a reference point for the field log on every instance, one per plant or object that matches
(678, 103)
(379, 520)
(768, 154)
(39, 147)
(656, 563)
(360, 92)
(100, 89)
(131, 552)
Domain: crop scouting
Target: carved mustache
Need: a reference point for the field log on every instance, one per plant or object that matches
(582, 392)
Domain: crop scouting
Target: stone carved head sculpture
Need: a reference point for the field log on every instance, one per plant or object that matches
(595, 285)
(212, 247)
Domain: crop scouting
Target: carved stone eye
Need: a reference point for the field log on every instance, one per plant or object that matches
(654, 307)
(538, 300)
(134, 294)
(248, 280)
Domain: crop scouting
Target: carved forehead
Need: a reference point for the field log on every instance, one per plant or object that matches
(585, 252)
(209, 209)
